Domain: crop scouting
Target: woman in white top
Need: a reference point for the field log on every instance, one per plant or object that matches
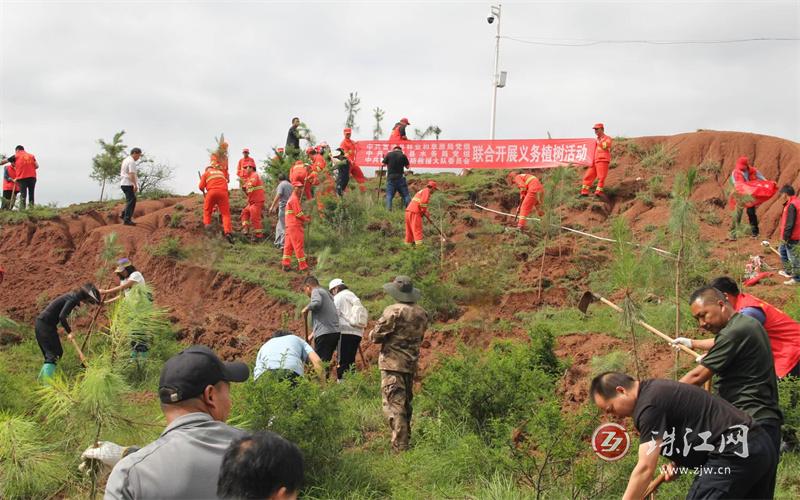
(352, 321)
(128, 277)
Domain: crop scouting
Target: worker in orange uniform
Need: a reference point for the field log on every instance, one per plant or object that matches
(602, 158)
(251, 214)
(10, 188)
(299, 173)
(399, 131)
(295, 232)
(349, 148)
(243, 163)
(319, 169)
(531, 192)
(415, 211)
(214, 186)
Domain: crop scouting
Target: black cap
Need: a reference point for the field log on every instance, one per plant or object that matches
(187, 374)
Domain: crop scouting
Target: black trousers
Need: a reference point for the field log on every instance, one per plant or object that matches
(26, 187)
(342, 179)
(326, 345)
(348, 347)
(729, 476)
(49, 343)
(130, 205)
(7, 193)
(751, 218)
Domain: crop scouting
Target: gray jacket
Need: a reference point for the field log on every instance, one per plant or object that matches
(183, 463)
(323, 312)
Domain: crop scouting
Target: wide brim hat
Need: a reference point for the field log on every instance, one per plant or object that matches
(402, 290)
(122, 264)
(92, 292)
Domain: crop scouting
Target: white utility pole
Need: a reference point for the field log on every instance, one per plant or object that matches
(494, 16)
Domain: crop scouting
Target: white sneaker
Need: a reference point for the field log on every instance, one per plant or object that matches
(791, 282)
(784, 274)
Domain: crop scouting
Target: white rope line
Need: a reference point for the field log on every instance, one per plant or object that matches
(582, 233)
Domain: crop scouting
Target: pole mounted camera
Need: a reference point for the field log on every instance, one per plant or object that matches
(494, 13)
(490, 18)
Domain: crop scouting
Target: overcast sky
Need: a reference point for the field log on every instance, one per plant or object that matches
(174, 74)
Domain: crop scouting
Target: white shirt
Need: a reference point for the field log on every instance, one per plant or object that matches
(128, 167)
(136, 277)
(344, 301)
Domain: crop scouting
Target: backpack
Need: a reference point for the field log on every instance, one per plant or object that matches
(358, 315)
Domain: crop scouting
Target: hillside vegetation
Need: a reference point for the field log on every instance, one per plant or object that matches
(500, 410)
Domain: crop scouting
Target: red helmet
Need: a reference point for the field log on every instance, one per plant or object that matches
(348, 130)
(405, 120)
(432, 185)
(309, 150)
(279, 151)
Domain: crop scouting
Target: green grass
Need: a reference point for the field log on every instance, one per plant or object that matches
(658, 158)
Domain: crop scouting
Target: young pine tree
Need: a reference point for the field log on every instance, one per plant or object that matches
(106, 164)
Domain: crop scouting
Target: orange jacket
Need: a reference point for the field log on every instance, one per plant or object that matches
(349, 148)
(254, 187)
(603, 150)
(294, 212)
(242, 164)
(318, 164)
(526, 183)
(396, 135)
(11, 173)
(419, 203)
(298, 173)
(25, 165)
(213, 179)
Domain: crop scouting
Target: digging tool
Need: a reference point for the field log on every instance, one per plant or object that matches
(765, 243)
(444, 238)
(13, 196)
(650, 492)
(94, 318)
(305, 324)
(363, 359)
(516, 214)
(589, 297)
(380, 182)
(200, 176)
(77, 348)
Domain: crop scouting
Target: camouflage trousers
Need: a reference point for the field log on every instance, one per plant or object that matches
(396, 389)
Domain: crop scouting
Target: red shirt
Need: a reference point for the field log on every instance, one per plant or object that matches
(782, 330)
(419, 203)
(213, 179)
(294, 212)
(9, 185)
(349, 148)
(603, 150)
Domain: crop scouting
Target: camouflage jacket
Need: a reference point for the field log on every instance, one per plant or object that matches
(399, 331)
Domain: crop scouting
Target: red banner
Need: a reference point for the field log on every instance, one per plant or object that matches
(521, 153)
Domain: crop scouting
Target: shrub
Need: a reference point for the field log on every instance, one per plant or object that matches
(658, 157)
(307, 414)
(27, 465)
(491, 391)
(170, 247)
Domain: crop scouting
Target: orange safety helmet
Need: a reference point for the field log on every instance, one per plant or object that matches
(348, 130)
(310, 150)
(432, 185)
(510, 177)
(405, 120)
(297, 184)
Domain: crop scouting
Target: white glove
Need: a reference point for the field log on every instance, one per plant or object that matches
(699, 358)
(107, 452)
(682, 341)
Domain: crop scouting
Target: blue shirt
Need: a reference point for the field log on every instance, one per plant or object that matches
(288, 352)
(756, 313)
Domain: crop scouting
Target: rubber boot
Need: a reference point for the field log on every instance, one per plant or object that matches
(47, 372)
(584, 190)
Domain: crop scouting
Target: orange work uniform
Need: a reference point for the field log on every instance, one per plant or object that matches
(241, 173)
(349, 148)
(299, 173)
(529, 189)
(327, 188)
(415, 211)
(251, 214)
(599, 169)
(295, 233)
(215, 184)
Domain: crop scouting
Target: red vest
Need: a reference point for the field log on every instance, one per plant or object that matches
(796, 229)
(25, 165)
(254, 187)
(9, 185)
(783, 332)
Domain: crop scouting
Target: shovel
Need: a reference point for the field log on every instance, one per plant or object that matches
(77, 348)
(650, 493)
(589, 297)
(765, 243)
